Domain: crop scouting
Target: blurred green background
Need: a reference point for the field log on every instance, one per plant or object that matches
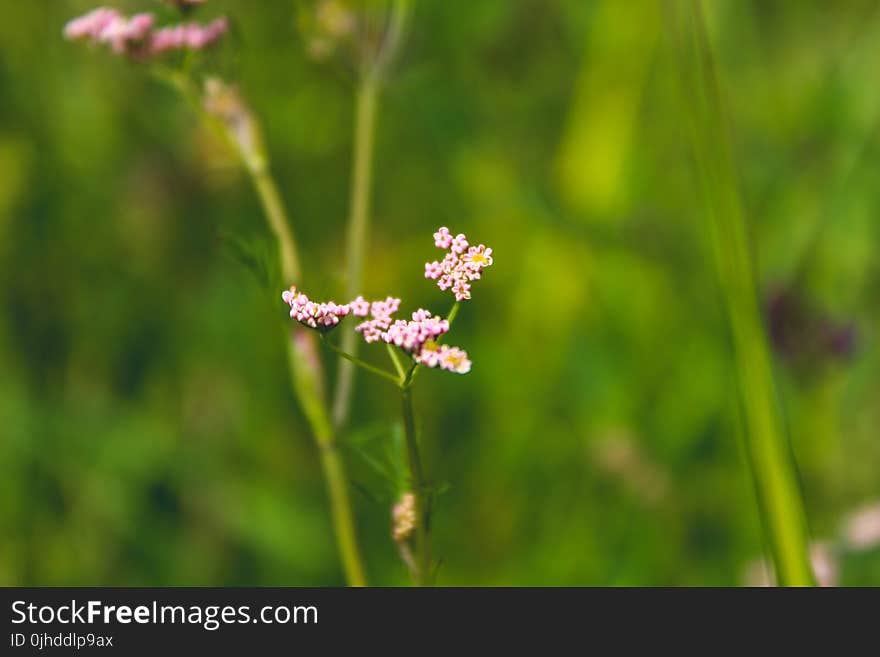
(148, 434)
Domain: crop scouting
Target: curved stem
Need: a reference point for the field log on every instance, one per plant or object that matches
(273, 207)
(422, 561)
(306, 371)
(452, 313)
(307, 374)
(302, 361)
(398, 366)
(378, 371)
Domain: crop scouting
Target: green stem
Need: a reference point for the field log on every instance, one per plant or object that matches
(371, 79)
(304, 361)
(450, 318)
(273, 208)
(306, 371)
(395, 358)
(358, 224)
(770, 459)
(422, 561)
(354, 360)
(307, 376)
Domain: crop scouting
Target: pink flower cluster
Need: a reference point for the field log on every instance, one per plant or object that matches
(461, 266)
(321, 316)
(380, 313)
(445, 357)
(108, 27)
(411, 336)
(137, 37)
(417, 337)
(191, 36)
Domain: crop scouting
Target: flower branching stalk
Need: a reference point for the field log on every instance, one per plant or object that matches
(417, 501)
(412, 345)
(373, 71)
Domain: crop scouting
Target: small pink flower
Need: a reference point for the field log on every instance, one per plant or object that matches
(360, 307)
(443, 238)
(459, 244)
(445, 357)
(433, 270)
(454, 359)
(478, 257)
(462, 290)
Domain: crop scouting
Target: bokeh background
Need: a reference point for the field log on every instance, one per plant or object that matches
(148, 434)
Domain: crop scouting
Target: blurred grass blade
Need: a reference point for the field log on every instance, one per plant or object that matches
(769, 455)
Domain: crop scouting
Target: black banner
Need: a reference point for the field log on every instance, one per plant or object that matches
(131, 621)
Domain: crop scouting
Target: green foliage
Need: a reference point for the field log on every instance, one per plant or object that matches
(149, 434)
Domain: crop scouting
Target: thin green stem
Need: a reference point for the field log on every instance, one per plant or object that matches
(422, 560)
(306, 371)
(358, 225)
(395, 358)
(450, 318)
(367, 98)
(378, 371)
(303, 360)
(273, 207)
(393, 37)
(769, 454)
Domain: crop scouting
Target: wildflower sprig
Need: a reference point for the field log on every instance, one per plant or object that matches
(418, 339)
